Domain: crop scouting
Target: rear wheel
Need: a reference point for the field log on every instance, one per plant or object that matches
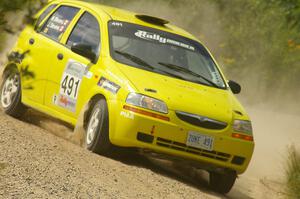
(10, 94)
(97, 131)
(222, 182)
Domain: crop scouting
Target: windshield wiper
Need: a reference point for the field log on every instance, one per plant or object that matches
(170, 74)
(139, 61)
(182, 69)
(135, 59)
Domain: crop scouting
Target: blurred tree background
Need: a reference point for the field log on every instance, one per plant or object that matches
(256, 42)
(7, 6)
(12, 9)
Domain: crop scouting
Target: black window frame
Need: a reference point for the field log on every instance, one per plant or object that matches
(100, 35)
(49, 9)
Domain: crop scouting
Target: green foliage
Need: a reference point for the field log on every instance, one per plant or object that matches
(29, 7)
(8, 6)
(292, 11)
(263, 44)
(293, 173)
(259, 48)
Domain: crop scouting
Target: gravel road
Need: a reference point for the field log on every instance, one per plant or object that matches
(37, 164)
(38, 161)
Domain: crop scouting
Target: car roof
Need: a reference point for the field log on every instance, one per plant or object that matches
(127, 16)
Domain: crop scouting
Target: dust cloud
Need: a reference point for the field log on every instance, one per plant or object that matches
(76, 134)
(274, 132)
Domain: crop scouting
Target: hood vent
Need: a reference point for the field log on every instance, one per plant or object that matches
(201, 121)
(152, 20)
(238, 112)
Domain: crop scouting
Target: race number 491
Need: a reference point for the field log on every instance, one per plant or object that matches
(70, 85)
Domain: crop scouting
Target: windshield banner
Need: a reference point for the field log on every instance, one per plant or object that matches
(156, 37)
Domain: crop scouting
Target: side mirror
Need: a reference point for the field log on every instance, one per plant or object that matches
(84, 50)
(235, 87)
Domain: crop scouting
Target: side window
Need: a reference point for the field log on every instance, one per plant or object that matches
(44, 15)
(86, 31)
(59, 22)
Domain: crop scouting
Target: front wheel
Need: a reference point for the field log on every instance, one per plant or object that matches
(222, 182)
(10, 94)
(97, 131)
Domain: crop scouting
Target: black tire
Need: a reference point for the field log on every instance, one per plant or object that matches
(99, 143)
(222, 182)
(15, 108)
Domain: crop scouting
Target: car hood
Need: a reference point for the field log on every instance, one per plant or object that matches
(184, 96)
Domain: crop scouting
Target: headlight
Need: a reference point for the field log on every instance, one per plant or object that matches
(242, 126)
(147, 102)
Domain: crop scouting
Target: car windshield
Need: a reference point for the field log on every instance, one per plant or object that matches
(164, 53)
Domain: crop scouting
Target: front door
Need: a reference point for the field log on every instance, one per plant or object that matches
(70, 71)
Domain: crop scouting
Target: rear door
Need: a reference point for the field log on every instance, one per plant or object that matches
(43, 43)
(33, 74)
(69, 75)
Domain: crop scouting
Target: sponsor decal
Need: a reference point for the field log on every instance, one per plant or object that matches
(217, 78)
(127, 115)
(66, 102)
(54, 99)
(88, 75)
(108, 85)
(156, 37)
(57, 24)
(70, 85)
(119, 24)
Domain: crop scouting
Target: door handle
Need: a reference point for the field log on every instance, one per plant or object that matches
(31, 41)
(60, 56)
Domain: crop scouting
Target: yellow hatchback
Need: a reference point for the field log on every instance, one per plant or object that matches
(146, 83)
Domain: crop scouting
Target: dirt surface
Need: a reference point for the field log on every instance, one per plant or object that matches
(34, 163)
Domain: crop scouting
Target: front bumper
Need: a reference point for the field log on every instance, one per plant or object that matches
(129, 129)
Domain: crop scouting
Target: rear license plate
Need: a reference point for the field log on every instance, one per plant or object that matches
(200, 141)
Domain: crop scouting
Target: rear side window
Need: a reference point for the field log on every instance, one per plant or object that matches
(44, 15)
(86, 31)
(59, 22)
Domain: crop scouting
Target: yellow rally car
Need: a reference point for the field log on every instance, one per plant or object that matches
(147, 83)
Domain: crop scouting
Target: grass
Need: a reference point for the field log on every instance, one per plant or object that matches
(1, 40)
(293, 172)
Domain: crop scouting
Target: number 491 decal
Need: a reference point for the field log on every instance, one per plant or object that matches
(70, 85)
(71, 79)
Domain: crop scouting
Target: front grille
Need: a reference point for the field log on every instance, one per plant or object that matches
(201, 121)
(201, 152)
(144, 137)
(238, 160)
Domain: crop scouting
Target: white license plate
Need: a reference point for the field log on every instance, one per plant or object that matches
(200, 141)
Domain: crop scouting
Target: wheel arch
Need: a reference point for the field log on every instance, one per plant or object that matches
(10, 67)
(15, 109)
(89, 108)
